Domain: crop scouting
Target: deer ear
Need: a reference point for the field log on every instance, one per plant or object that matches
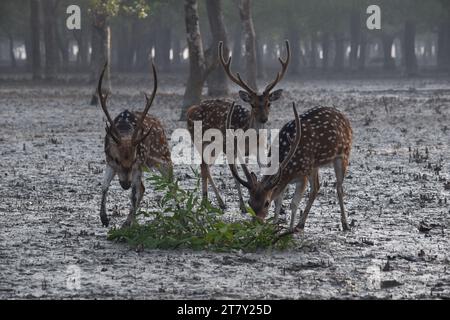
(245, 96)
(275, 95)
(254, 178)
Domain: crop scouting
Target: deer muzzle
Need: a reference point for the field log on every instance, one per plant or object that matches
(125, 184)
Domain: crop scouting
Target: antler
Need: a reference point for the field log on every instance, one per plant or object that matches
(284, 65)
(275, 179)
(148, 104)
(251, 178)
(298, 134)
(111, 129)
(236, 79)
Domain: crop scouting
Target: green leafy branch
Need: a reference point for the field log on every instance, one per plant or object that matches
(184, 220)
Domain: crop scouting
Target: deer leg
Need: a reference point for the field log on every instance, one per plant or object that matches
(339, 169)
(278, 204)
(241, 199)
(216, 191)
(137, 193)
(314, 186)
(166, 169)
(108, 177)
(204, 176)
(298, 194)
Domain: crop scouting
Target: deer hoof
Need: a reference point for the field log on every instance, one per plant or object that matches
(222, 205)
(105, 221)
(346, 227)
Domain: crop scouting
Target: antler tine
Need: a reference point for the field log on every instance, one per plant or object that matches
(298, 135)
(236, 79)
(155, 87)
(148, 104)
(248, 184)
(292, 150)
(284, 65)
(103, 98)
(112, 135)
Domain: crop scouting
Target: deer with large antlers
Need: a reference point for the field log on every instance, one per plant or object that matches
(133, 140)
(324, 137)
(213, 114)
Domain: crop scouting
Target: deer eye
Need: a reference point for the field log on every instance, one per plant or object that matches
(266, 205)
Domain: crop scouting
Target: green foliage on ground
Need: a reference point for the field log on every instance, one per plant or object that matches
(183, 220)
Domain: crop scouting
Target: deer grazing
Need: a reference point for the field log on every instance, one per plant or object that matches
(324, 137)
(133, 140)
(213, 114)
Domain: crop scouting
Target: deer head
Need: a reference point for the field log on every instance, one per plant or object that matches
(122, 147)
(261, 191)
(260, 102)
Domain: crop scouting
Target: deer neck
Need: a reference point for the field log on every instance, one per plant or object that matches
(276, 189)
(253, 123)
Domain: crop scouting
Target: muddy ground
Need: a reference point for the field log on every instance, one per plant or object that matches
(52, 244)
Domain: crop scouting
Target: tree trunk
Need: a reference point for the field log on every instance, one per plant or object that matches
(144, 50)
(176, 49)
(162, 43)
(194, 86)
(124, 35)
(134, 39)
(82, 56)
(362, 52)
(339, 57)
(35, 29)
(217, 81)
(51, 53)
(28, 52)
(355, 37)
(443, 54)
(101, 50)
(313, 51)
(126, 49)
(11, 50)
(249, 40)
(260, 66)
(294, 41)
(409, 58)
(325, 50)
(63, 47)
(303, 53)
(237, 48)
(428, 54)
(163, 49)
(142, 56)
(388, 60)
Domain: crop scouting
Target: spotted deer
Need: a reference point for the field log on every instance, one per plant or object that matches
(133, 140)
(213, 114)
(323, 136)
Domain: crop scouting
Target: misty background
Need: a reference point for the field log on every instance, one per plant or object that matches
(327, 38)
(325, 35)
